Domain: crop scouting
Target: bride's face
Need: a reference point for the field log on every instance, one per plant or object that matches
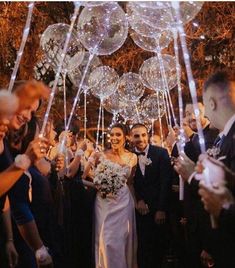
(117, 138)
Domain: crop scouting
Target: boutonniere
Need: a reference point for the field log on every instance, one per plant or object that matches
(144, 160)
(213, 152)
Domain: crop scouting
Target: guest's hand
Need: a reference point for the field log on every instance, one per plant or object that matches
(160, 217)
(214, 202)
(3, 130)
(12, 254)
(43, 258)
(59, 162)
(206, 259)
(142, 207)
(37, 149)
(184, 166)
(82, 145)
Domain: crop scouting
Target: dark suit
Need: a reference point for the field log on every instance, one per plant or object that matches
(154, 189)
(224, 243)
(227, 149)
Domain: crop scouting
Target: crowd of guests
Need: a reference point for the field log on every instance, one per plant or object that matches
(53, 216)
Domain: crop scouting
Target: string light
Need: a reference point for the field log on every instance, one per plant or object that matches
(53, 90)
(22, 45)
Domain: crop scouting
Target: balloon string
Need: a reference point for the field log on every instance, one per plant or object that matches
(160, 119)
(65, 102)
(137, 112)
(98, 125)
(181, 138)
(76, 100)
(22, 45)
(102, 127)
(53, 90)
(165, 84)
(152, 127)
(165, 108)
(191, 81)
(85, 112)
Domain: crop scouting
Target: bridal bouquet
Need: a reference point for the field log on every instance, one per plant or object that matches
(109, 177)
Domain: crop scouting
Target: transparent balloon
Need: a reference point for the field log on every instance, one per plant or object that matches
(130, 87)
(76, 74)
(188, 10)
(161, 40)
(114, 104)
(155, 17)
(139, 25)
(153, 106)
(93, 3)
(52, 42)
(150, 71)
(103, 82)
(103, 29)
(131, 111)
(163, 16)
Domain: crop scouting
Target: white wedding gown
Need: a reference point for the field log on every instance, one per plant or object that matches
(115, 229)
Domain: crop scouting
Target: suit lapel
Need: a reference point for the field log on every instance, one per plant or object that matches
(147, 167)
(227, 141)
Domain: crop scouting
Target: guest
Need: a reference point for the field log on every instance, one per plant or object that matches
(156, 140)
(29, 94)
(152, 187)
(219, 202)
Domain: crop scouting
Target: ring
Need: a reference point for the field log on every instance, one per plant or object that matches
(42, 150)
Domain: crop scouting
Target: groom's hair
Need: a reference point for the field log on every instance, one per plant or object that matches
(137, 125)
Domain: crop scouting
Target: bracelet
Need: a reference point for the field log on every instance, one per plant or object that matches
(10, 240)
(79, 152)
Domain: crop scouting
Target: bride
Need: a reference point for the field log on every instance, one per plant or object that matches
(115, 230)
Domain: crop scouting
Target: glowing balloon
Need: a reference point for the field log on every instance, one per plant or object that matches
(103, 82)
(114, 104)
(130, 87)
(153, 106)
(103, 29)
(139, 25)
(76, 74)
(162, 15)
(154, 17)
(150, 72)
(189, 9)
(161, 39)
(130, 111)
(52, 42)
(93, 3)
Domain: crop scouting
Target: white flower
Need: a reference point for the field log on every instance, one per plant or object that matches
(144, 160)
(109, 178)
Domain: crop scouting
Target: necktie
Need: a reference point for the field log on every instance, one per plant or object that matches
(140, 153)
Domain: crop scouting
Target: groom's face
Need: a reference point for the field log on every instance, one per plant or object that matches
(139, 138)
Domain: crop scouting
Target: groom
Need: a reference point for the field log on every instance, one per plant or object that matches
(152, 188)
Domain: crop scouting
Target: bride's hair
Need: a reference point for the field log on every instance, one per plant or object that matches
(125, 129)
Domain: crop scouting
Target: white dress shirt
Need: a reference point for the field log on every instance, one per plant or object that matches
(141, 164)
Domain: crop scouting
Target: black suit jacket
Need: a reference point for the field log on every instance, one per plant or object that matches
(154, 186)
(228, 149)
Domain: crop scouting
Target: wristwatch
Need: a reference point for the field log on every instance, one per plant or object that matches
(22, 161)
